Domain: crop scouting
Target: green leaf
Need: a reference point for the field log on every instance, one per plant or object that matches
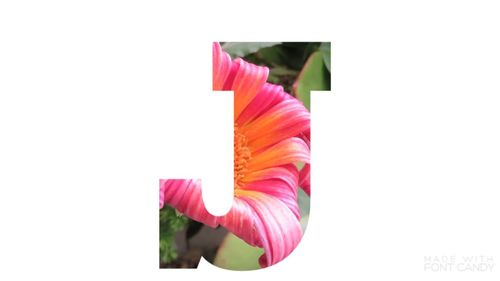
(325, 50)
(170, 223)
(241, 49)
(314, 76)
(236, 254)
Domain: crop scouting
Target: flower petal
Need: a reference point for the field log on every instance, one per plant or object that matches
(162, 194)
(245, 80)
(286, 173)
(286, 119)
(279, 190)
(280, 182)
(288, 151)
(259, 219)
(221, 67)
(264, 221)
(304, 175)
(305, 179)
(267, 97)
(185, 196)
(277, 135)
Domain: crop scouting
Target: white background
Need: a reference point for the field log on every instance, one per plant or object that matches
(100, 99)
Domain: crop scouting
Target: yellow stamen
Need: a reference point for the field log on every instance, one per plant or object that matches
(242, 155)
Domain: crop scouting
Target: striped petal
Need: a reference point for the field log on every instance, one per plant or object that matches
(185, 196)
(286, 173)
(279, 190)
(286, 119)
(274, 227)
(267, 97)
(260, 219)
(291, 150)
(221, 67)
(281, 182)
(245, 80)
(305, 173)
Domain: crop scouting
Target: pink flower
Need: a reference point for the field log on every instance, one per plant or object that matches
(271, 135)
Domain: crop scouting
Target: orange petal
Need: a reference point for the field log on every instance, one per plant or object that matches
(286, 119)
(288, 151)
(248, 80)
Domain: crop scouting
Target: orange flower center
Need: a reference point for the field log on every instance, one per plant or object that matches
(242, 155)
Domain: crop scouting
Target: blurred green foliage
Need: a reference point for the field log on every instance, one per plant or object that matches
(324, 48)
(241, 49)
(170, 223)
(236, 254)
(313, 77)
